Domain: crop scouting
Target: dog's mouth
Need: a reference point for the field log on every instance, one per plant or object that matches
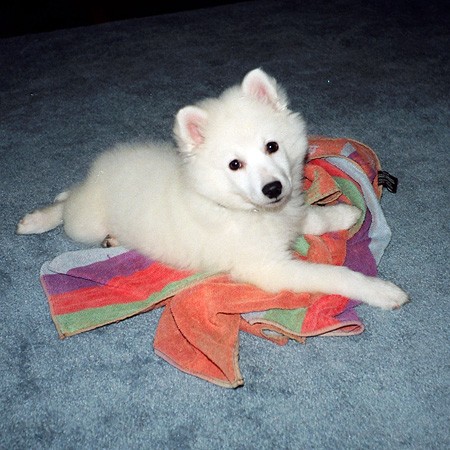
(275, 203)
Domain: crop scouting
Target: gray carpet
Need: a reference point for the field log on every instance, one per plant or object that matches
(378, 74)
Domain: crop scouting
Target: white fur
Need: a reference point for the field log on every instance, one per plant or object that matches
(186, 207)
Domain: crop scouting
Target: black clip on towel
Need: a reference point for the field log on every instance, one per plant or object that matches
(388, 181)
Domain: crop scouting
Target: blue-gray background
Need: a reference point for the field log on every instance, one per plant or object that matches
(367, 70)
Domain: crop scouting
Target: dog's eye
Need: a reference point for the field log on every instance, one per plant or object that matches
(272, 147)
(235, 164)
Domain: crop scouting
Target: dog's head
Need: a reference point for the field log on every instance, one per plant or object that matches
(245, 149)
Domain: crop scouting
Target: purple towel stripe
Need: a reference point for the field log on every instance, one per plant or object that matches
(359, 257)
(121, 265)
(61, 283)
(98, 273)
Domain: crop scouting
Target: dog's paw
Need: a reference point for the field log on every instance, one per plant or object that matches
(386, 295)
(33, 223)
(343, 216)
(110, 241)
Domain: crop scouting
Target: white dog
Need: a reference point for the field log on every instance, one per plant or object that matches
(227, 199)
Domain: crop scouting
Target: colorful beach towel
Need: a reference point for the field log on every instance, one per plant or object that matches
(203, 313)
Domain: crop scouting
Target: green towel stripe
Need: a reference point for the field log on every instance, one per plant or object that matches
(301, 246)
(290, 319)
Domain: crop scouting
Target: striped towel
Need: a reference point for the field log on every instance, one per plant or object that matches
(203, 313)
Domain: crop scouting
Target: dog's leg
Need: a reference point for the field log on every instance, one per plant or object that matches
(322, 219)
(300, 276)
(43, 219)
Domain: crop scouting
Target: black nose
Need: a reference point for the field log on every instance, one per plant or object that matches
(272, 190)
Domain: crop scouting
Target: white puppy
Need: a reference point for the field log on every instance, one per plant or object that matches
(227, 199)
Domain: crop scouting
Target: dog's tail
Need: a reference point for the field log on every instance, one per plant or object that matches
(44, 219)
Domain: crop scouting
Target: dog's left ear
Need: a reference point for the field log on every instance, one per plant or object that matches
(259, 85)
(189, 128)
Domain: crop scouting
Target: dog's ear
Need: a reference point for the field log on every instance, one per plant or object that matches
(190, 126)
(259, 85)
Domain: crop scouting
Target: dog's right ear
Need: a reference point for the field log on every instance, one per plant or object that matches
(265, 89)
(190, 126)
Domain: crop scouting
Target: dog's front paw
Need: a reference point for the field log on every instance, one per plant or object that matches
(386, 295)
(343, 216)
(351, 215)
